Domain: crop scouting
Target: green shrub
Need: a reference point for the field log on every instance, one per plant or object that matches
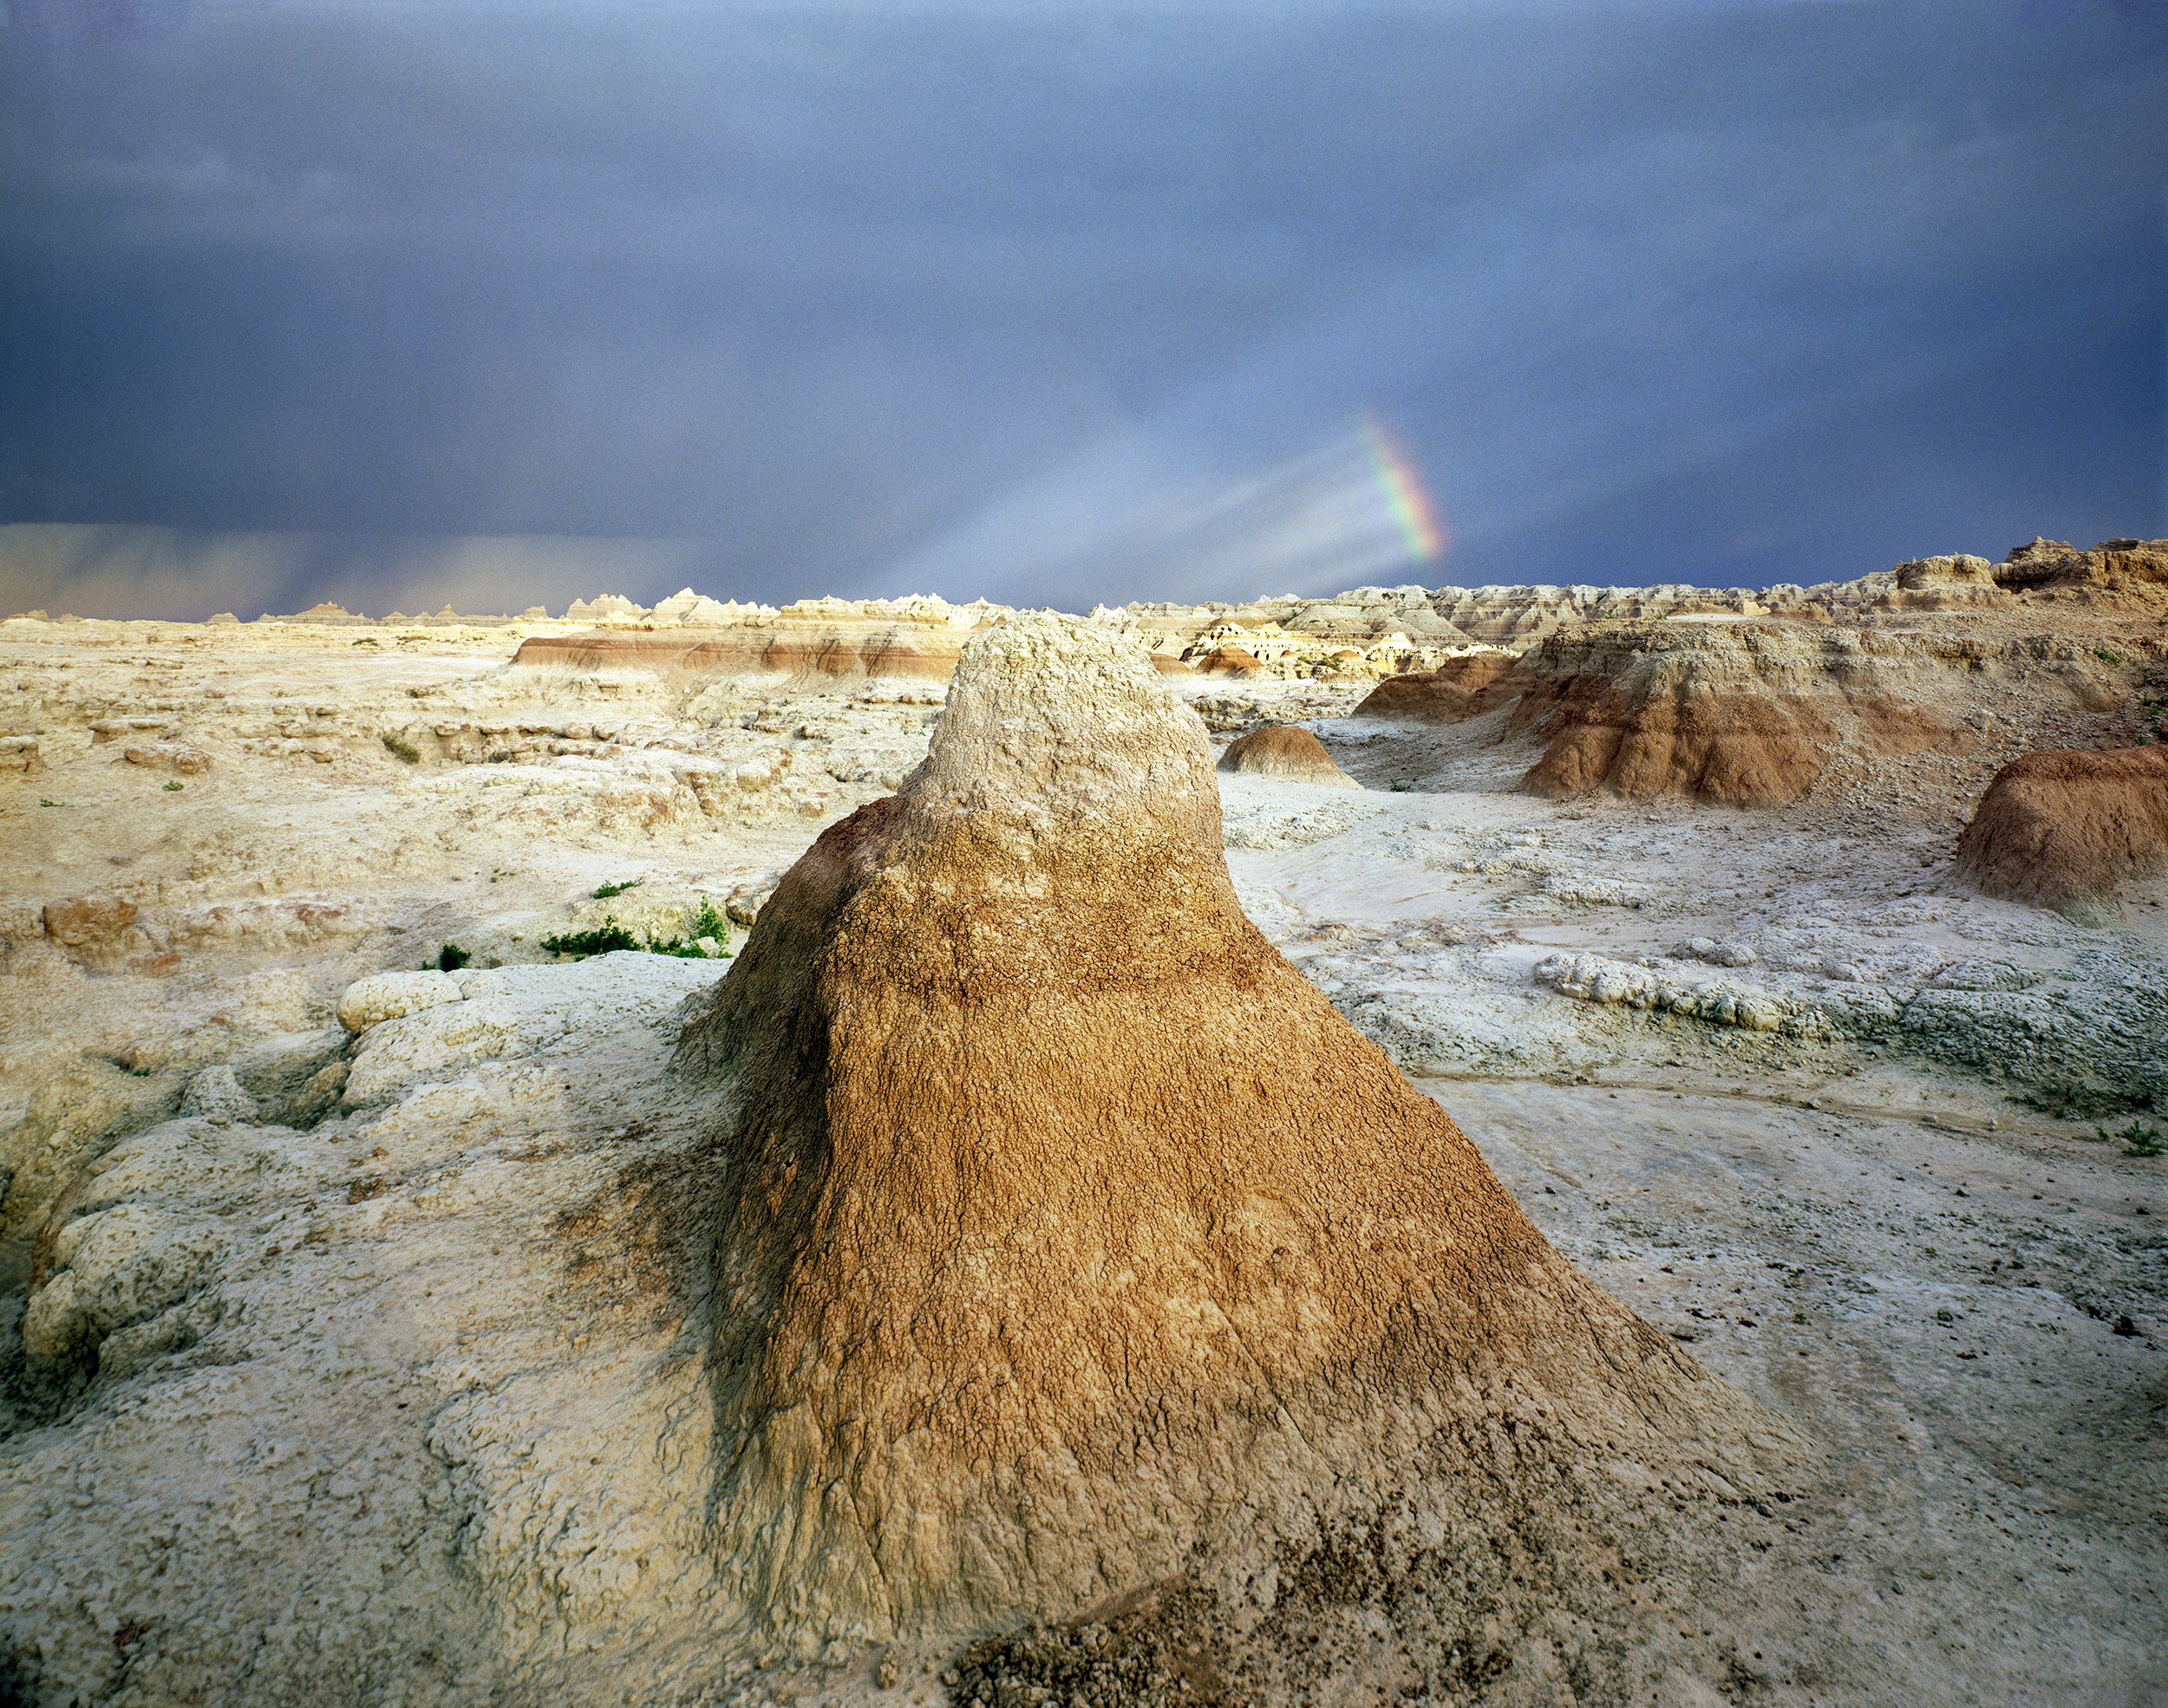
(707, 923)
(174, 787)
(604, 939)
(603, 892)
(2140, 1138)
(451, 958)
(401, 749)
(610, 937)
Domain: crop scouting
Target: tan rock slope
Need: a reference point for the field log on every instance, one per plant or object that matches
(2059, 828)
(1073, 1243)
(2048, 567)
(1746, 713)
(847, 648)
(1284, 750)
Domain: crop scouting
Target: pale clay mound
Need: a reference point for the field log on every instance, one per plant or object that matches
(1284, 750)
(2063, 828)
(1003, 1342)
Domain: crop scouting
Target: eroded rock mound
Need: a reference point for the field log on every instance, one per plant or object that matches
(2059, 827)
(1744, 714)
(1673, 732)
(1284, 750)
(2042, 567)
(847, 650)
(1073, 1243)
(2054, 563)
(1446, 692)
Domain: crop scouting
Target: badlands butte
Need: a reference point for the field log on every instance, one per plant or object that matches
(1537, 1146)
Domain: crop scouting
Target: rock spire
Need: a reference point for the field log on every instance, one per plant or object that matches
(1071, 1242)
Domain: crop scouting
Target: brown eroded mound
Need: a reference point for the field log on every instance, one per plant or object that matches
(1446, 692)
(1072, 1243)
(1743, 749)
(1230, 661)
(1285, 750)
(1744, 713)
(2058, 827)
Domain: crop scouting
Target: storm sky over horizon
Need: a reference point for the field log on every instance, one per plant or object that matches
(1060, 303)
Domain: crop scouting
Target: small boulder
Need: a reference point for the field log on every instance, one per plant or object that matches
(743, 904)
(88, 923)
(388, 995)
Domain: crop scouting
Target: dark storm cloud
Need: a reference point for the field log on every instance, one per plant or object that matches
(871, 298)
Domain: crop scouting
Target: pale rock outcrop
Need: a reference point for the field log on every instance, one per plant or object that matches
(388, 995)
(1595, 978)
(391, 1410)
(73, 1112)
(103, 1271)
(104, 730)
(602, 605)
(875, 639)
(1950, 582)
(2047, 564)
(181, 757)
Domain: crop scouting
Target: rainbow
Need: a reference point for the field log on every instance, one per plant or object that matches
(1404, 494)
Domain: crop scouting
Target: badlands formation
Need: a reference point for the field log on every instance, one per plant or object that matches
(714, 1154)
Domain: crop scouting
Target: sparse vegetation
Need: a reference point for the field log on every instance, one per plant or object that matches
(610, 937)
(604, 939)
(708, 924)
(2105, 656)
(603, 892)
(400, 749)
(2152, 705)
(451, 958)
(2139, 1138)
(175, 786)
(2071, 1102)
(42, 801)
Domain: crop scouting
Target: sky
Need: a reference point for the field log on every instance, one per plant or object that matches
(1056, 303)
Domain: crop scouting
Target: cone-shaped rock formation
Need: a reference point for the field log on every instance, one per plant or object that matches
(1070, 1240)
(1285, 750)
